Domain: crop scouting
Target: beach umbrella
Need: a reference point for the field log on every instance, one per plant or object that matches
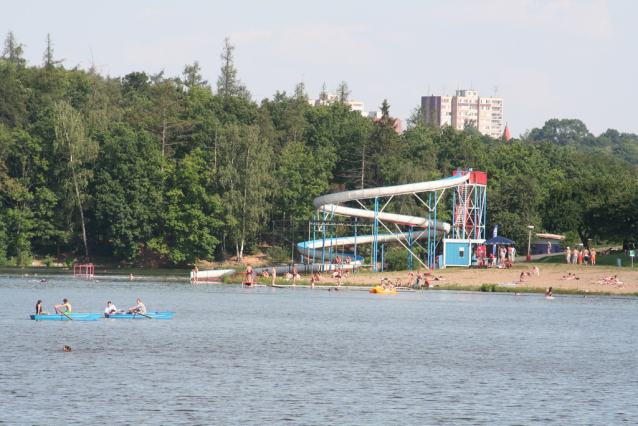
(499, 241)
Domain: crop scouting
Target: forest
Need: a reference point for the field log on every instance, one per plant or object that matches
(93, 166)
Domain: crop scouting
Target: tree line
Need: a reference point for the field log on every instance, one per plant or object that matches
(147, 164)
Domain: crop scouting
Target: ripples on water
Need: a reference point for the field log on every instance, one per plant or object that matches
(274, 356)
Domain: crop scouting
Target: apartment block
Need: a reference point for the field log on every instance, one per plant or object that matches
(465, 108)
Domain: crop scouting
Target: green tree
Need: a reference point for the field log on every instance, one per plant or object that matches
(13, 51)
(127, 191)
(228, 84)
(193, 76)
(245, 181)
(75, 151)
(192, 216)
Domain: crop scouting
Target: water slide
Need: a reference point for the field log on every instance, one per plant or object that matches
(329, 205)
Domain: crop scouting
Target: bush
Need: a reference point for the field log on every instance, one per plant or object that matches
(488, 288)
(251, 249)
(48, 261)
(279, 255)
(24, 258)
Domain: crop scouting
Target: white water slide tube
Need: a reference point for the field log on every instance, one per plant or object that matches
(328, 204)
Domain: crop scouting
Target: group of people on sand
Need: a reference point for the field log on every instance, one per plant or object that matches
(608, 280)
(339, 261)
(569, 276)
(65, 308)
(534, 272)
(505, 257)
(580, 257)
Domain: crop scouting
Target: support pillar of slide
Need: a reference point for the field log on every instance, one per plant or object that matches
(375, 231)
(410, 242)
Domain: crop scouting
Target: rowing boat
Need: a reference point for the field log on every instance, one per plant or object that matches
(75, 317)
(154, 315)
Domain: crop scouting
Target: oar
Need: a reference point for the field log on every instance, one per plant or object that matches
(64, 313)
(139, 313)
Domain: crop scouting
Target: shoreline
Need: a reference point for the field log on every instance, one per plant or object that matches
(588, 279)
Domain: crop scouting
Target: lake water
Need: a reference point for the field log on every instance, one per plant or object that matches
(280, 356)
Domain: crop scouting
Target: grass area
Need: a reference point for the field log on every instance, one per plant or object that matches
(601, 260)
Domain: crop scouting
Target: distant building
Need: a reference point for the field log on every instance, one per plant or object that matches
(465, 109)
(355, 106)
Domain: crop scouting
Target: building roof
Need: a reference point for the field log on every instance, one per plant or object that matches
(551, 236)
(506, 133)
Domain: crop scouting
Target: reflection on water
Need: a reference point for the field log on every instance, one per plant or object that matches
(262, 355)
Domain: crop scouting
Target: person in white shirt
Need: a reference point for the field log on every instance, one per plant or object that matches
(110, 309)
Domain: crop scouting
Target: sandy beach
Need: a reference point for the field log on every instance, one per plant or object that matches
(589, 277)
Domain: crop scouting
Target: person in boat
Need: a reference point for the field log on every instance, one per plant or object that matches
(110, 309)
(66, 305)
(38, 309)
(140, 308)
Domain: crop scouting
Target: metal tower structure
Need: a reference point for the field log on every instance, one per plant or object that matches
(469, 206)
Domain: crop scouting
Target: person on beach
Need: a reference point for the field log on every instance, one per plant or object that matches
(580, 257)
(549, 247)
(295, 274)
(66, 305)
(273, 272)
(574, 256)
(130, 277)
(110, 309)
(140, 308)
(535, 270)
(585, 256)
(195, 271)
(249, 273)
(592, 257)
(568, 256)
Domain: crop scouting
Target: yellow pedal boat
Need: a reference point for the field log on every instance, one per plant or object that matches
(380, 290)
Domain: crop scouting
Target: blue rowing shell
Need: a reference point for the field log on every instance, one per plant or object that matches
(154, 315)
(76, 317)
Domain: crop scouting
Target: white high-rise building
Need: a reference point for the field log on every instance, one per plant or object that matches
(463, 109)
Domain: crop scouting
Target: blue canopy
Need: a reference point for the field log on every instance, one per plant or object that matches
(499, 241)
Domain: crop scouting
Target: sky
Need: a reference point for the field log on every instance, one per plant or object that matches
(546, 58)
